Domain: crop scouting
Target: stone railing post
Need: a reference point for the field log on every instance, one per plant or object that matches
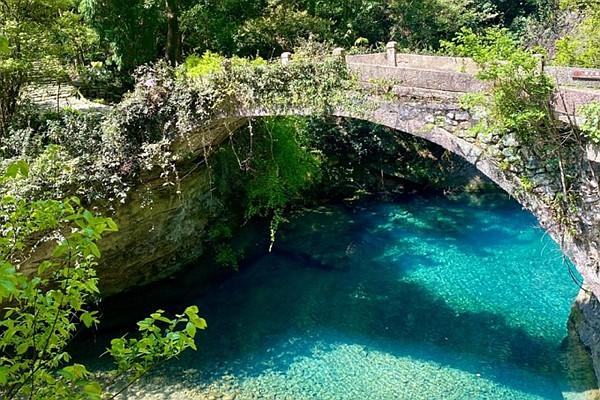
(285, 58)
(340, 53)
(390, 54)
(541, 63)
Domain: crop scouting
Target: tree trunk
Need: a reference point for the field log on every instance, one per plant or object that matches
(10, 89)
(173, 50)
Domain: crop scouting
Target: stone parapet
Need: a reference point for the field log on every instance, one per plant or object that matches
(448, 81)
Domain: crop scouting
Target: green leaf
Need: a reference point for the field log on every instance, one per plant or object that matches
(200, 323)
(89, 217)
(8, 280)
(44, 266)
(88, 318)
(4, 371)
(74, 372)
(94, 249)
(191, 310)
(60, 250)
(22, 348)
(4, 45)
(93, 390)
(112, 226)
(190, 329)
(17, 168)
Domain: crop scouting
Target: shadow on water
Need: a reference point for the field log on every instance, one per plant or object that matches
(299, 291)
(467, 224)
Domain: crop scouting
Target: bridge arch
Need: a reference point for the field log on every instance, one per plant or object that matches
(436, 117)
(446, 125)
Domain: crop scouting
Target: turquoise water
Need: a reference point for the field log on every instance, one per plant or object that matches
(422, 297)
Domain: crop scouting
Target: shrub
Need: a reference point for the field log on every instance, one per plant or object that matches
(42, 311)
(208, 63)
(591, 124)
(580, 47)
(521, 93)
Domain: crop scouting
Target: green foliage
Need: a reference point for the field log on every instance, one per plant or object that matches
(511, 14)
(267, 27)
(580, 47)
(209, 63)
(100, 154)
(518, 115)
(526, 184)
(4, 46)
(33, 129)
(591, 121)
(282, 168)
(280, 29)
(422, 24)
(270, 168)
(38, 38)
(42, 310)
(520, 92)
(132, 30)
(161, 338)
(220, 233)
(266, 169)
(413, 24)
(213, 24)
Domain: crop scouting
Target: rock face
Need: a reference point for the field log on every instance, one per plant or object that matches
(160, 231)
(163, 227)
(584, 341)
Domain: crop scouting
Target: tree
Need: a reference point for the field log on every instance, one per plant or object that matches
(213, 24)
(130, 29)
(280, 29)
(173, 47)
(422, 24)
(33, 47)
(414, 24)
(136, 31)
(581, 46)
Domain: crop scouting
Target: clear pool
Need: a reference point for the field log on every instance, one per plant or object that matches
(422, 297)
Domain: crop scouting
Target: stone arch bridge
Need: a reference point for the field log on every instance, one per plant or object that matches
(424, 103)
(426, 93)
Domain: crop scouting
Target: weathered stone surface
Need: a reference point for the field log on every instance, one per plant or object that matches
(577, 361)
(161, 227)
(584, 330)
(160, 231)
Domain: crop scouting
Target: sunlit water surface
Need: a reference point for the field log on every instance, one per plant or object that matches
(422, 297)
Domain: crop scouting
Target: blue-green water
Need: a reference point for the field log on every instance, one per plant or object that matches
(423, 297)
